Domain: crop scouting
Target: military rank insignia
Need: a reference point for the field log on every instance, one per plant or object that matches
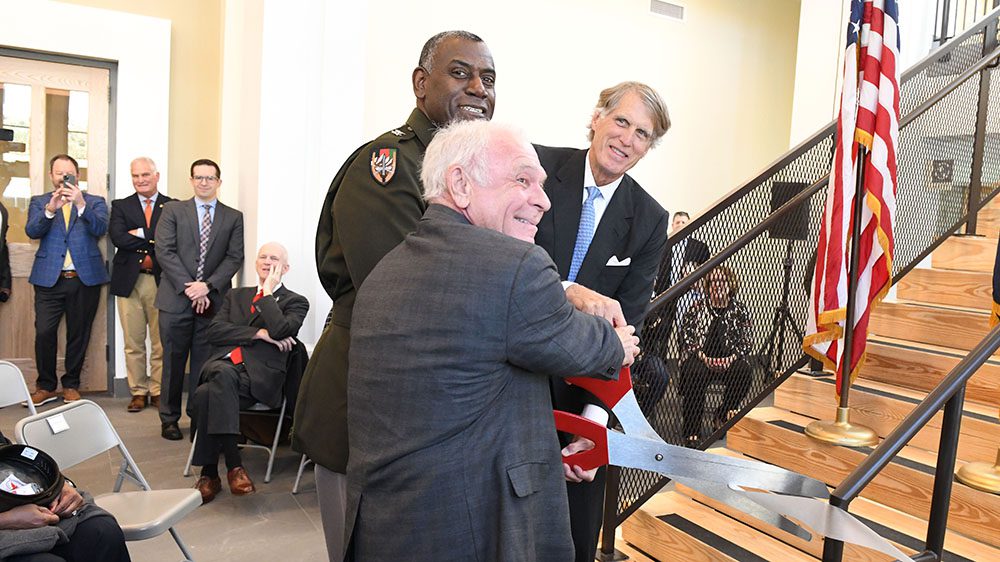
(383, 164)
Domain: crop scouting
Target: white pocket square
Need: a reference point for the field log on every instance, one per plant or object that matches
(614, 262)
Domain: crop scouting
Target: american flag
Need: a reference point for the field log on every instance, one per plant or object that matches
(869, 120)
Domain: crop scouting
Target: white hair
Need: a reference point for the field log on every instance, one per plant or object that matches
(145, 159)
(464, 144)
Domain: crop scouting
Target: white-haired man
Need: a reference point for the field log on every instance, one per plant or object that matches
(453, 451)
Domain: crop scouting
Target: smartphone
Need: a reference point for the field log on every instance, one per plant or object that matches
(69, 179)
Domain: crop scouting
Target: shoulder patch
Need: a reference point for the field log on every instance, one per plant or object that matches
(383, 164)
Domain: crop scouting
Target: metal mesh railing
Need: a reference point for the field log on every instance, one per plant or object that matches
(691, 398)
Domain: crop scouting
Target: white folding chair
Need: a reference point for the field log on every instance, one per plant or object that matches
(256, 408)
(13, 389)
(302, 466)
(75, 432)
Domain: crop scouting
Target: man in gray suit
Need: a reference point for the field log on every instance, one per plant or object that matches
(453, 450)
(199, 246)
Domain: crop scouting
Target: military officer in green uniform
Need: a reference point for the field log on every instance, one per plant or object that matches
(374, 201)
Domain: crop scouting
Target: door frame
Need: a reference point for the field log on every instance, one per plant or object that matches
(112, 68)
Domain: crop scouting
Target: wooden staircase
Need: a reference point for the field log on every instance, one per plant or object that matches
(939, 315)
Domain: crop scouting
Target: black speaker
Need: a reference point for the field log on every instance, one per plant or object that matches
(795, 224)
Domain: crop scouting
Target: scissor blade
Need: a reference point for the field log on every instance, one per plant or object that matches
(737, 499)
(679, 462)
(828, 521)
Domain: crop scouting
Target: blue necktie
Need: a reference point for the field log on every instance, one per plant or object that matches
(585, 234)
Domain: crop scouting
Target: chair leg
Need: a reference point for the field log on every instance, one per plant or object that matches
(274, 443)
(187, 467)
(302, 466)
(181, 545)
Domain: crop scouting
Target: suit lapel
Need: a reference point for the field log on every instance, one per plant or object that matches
(221, 211)
(614, 226)
(566, 195)
(192, 213)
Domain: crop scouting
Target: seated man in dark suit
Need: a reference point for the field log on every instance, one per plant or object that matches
(252, 337)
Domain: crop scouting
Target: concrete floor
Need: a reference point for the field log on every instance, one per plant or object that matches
(270, 525)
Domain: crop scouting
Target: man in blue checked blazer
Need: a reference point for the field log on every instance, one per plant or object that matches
(68, 272)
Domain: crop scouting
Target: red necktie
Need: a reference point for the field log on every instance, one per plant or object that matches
(257, 297)
(236, 355)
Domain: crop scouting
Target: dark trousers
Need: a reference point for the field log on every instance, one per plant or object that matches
(223, 392)
(586, 509)
(97, 539)
(79, 303)
(694, 380)
(182, 334)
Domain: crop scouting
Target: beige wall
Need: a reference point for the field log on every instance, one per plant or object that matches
(195, 81)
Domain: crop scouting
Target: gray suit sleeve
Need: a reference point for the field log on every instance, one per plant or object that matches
(223, 275)
(166, 249)
(545, 334)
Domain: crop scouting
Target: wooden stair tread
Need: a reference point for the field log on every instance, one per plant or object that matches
(914, 528)
(709, 521)
(965, 253)
(922, 366)
(945, 326)
(971, 409)
(971, 512)
(814, 398)
(923, 346)
(973, 289)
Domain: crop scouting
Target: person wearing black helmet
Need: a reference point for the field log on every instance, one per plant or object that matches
(71, 528)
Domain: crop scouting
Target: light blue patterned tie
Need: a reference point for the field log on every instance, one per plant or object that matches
(585, 234)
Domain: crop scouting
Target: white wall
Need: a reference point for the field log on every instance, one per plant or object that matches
(141, 45)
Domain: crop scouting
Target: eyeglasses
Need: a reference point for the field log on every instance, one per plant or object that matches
(207, 179)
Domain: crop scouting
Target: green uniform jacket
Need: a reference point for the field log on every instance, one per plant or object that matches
(374, 201)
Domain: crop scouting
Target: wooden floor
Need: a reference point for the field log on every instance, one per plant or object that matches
(940, 314)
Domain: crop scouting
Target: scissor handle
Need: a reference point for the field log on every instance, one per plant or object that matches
(579, 425)
(609, 392)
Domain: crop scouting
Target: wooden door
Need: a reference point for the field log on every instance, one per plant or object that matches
(53, 108)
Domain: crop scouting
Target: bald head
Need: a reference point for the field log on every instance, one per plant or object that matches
(271, 256)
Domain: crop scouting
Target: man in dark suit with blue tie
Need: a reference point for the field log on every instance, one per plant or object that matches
(199, 245)
(606, 236)
(68, 272)
(134, 279)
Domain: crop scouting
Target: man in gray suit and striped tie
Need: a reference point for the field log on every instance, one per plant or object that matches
(199, 246)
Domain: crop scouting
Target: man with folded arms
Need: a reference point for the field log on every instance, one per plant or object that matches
(252, 335)
(134, 279)
(453, 449)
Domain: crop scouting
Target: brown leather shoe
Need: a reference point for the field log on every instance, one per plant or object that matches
(41, 396)
(209, 488)
(154, 401)
(239, 482)
(137, 404)
(70, 395)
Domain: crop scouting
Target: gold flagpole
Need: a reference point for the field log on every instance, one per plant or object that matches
(841, 431)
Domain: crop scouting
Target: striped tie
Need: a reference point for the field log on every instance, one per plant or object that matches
(206, 229)
(585, 234)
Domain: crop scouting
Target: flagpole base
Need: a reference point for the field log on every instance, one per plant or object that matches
(842, 431)
(981, 476)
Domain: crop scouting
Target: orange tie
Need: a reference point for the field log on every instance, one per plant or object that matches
(147, 262)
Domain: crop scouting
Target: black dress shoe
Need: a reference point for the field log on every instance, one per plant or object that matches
(171, 431)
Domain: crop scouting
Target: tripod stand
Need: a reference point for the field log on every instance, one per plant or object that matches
(772, 350)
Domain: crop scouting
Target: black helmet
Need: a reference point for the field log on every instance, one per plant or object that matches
(23, 467)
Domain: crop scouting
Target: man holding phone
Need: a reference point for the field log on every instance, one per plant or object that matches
(67, 273)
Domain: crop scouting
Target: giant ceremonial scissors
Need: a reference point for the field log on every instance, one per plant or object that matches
(721, 477)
